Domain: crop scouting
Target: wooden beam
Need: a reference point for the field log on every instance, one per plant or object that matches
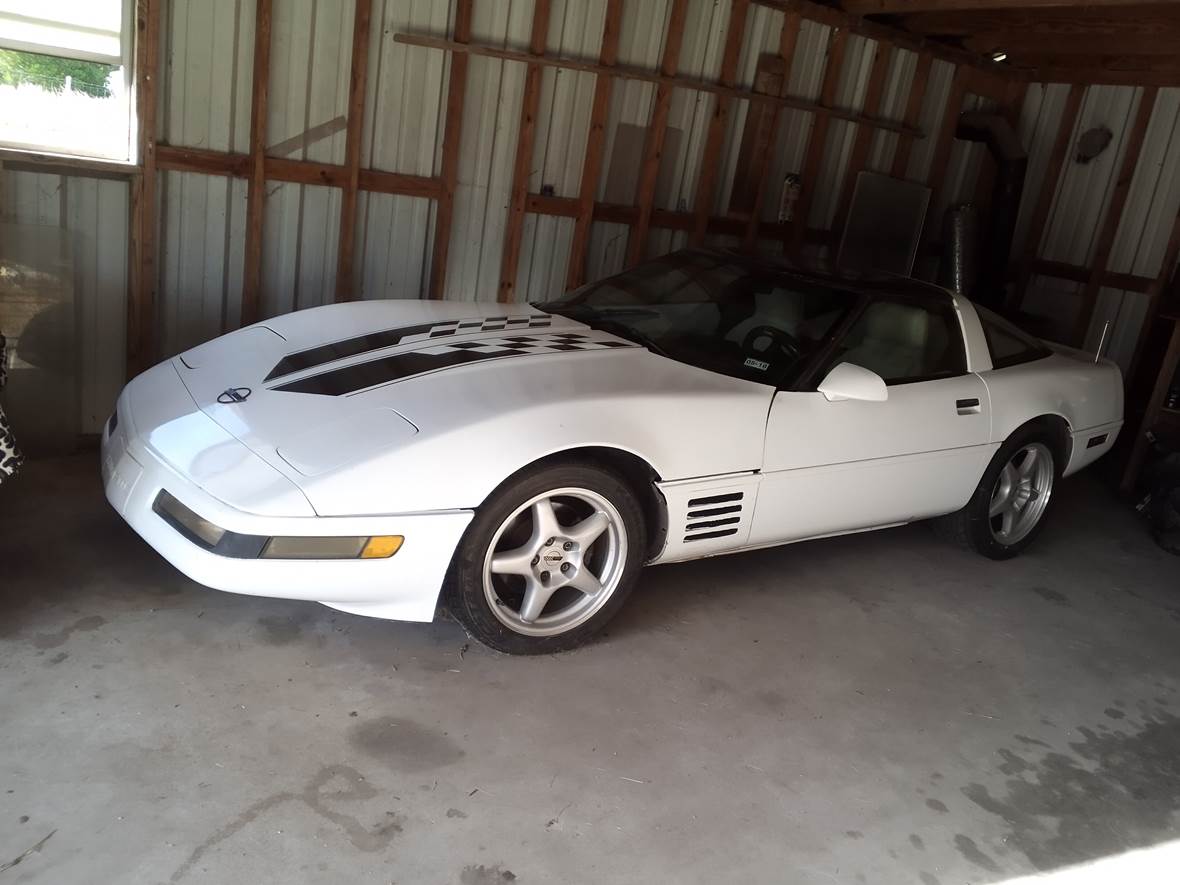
(1154, 293)
(55, 164)
(936, 174)
(256, 188)
(626, 72)
(357, 78)
(179, 159)
(787, 41)
(142, 301)
(449, 165)
(908, 7)
(837, 18)
(514, 230)
(913, 113)
(859, 157)
(595, 142)
(1063, 270)
(1114, 214)
(817, 140)
(653, 144)
(1040, 215)
(1114, 70)
(707, 177)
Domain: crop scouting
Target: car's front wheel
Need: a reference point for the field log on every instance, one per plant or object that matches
(548, 559)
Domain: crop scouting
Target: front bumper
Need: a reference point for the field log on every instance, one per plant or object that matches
(404, 587)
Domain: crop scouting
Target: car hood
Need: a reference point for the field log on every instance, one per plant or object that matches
(397, 406)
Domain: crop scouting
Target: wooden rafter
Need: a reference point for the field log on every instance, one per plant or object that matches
(514, 231)
(858, 158)
(142, 300)
(907, 7)
(817, 140)
(625, 72)
(345, 283)
(256, 188)
(653, 144)
(1044, 204)
(707, 177)
(449, 165)
(1114, 213)
(913, 113)
(595, 142)
(787, 41)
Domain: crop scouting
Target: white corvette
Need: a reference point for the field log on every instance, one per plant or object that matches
(526, 461)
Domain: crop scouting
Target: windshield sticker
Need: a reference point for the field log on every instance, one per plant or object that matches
(757, 364)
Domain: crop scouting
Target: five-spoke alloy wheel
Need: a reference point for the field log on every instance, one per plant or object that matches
(548, 559)
(1021, 493)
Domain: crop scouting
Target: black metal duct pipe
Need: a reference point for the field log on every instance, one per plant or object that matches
(1011, 164)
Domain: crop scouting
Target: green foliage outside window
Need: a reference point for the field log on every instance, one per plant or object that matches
(50, 73)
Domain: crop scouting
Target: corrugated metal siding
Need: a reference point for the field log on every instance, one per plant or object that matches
(207, 102)
(95, 214)
(1082, 199)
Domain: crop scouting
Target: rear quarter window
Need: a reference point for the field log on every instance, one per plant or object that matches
(1007, 343)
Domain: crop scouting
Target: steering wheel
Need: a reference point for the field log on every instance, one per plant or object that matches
(783, 342)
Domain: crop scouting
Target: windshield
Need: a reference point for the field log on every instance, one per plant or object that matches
(715, 312)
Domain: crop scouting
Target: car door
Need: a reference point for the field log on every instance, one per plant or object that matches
(850, 464)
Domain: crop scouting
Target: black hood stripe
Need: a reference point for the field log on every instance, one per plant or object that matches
(399, 366)
(350, 347)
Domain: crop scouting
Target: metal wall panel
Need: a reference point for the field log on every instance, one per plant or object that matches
(95, 214)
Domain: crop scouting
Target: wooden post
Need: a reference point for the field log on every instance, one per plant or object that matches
(913, 113)
(449, 166)
(787, 41)
(837, 44)
(653, 146)
(595, 142)
(1040, 215)
(1154, 292)
(1114, 214)
(345, 286)
(256, 186)
(858, 158)
(141, 337)
(707, 177)
(524, 155)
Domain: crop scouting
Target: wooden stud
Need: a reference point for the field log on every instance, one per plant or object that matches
(1154, 293)
(653, 146)
(177, 159)
(449, 166)
(936, 174)
(256, 188)
(1040, 215)
(1155, 402)
(642, 75)
(357, 78)
(595, 142)
(514, 231)
(859, 157)
(1114, 214)
(760, 159)
(142, 301)
(913, 113)
(817, 140)
(707, 177)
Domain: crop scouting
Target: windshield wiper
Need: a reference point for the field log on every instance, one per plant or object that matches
(606, 324)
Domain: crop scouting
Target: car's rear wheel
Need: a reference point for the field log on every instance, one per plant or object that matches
(548, 559)
(1010, 503)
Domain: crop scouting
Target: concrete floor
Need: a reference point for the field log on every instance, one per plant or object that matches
(874, 709)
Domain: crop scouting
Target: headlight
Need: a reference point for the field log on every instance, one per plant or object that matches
(217, 540)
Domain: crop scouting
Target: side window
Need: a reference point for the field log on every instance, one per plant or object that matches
(905, 342)
(1008, 345)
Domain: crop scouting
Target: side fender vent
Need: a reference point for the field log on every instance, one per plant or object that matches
(713, 517)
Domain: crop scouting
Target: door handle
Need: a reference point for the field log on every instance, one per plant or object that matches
(968, 406)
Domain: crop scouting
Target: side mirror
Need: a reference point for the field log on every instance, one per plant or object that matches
(848, 381)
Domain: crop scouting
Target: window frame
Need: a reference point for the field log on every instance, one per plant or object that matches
(827, 358)
(127, 40)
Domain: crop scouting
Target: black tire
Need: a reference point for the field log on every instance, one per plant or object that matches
(463, 594)
(971, 527)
